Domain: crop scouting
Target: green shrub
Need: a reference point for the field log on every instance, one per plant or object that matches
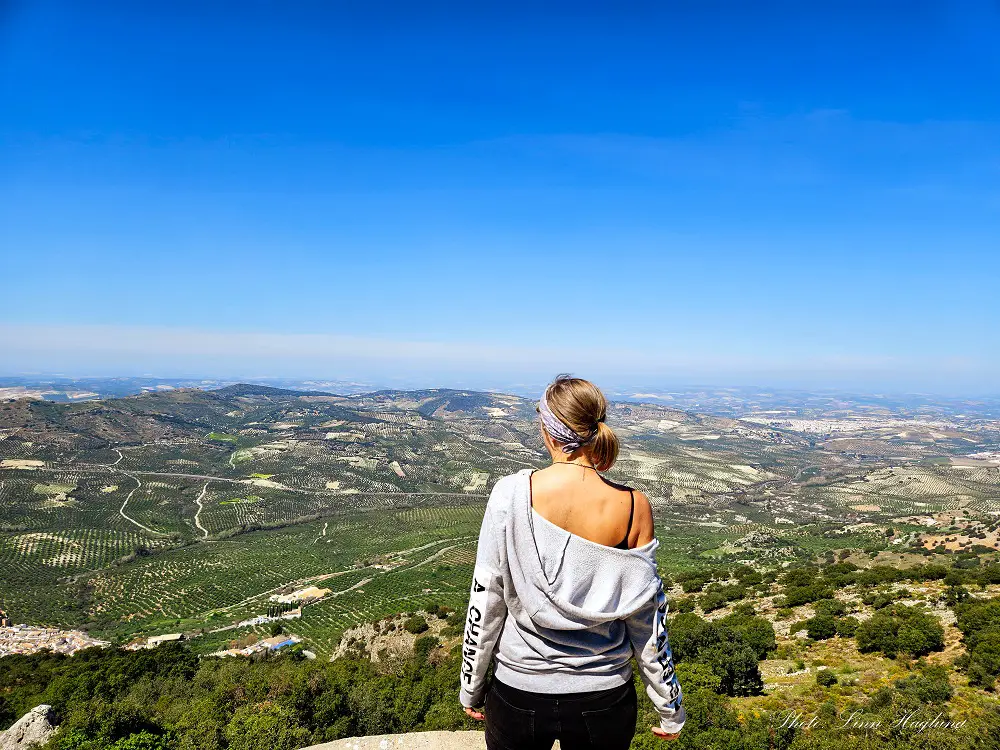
(731, 647)
(693, 582)
(755, 632)
(954, 595)
(265, 726)
(826, 678)
(711, 602)
(840, 574)
(881, 600)
(930, 686)
(684, 605)
(984, 661)
(847, 627)
(169, 699)
(695, 676)
(423, 646)
(747, 575)
(979, 621)
(878, 634)
(830, 607)
(920, 634)
(797, 595)
(900, 629)
(800, 577)
(416, 625)
(737, 667)
(821, 627)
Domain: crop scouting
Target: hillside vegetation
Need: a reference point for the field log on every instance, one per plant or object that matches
(169, 698)
(819, 562)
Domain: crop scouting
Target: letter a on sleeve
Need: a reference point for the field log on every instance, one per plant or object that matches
(485, 617)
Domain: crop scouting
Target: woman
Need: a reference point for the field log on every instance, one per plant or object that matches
(564, 593)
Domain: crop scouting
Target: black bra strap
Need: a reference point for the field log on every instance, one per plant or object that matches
(623, 544)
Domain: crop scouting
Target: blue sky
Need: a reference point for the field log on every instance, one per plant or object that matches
(799, 194)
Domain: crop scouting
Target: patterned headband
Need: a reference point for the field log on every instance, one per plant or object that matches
(559, 431)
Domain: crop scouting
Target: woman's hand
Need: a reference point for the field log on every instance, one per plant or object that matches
(661, 733)
(477, 715)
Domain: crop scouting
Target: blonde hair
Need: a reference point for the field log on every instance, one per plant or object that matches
(580, 405)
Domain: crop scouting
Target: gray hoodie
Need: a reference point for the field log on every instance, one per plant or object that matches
(561, 614)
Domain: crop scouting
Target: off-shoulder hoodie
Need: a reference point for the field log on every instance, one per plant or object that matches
(562, 614)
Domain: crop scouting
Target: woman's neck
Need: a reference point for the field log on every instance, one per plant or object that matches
(571, 460)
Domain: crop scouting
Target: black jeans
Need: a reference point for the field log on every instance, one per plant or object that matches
(519, 720)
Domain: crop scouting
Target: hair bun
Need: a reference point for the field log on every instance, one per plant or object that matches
(579, 406)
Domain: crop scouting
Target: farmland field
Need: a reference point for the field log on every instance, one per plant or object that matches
(184, 510)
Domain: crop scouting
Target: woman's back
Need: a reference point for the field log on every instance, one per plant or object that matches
(578, 499)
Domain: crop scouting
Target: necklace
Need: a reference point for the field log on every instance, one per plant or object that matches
(573, 463)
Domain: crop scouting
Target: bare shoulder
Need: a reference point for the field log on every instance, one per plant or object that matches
(643, 522)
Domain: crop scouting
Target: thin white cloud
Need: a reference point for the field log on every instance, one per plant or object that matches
(113, 348)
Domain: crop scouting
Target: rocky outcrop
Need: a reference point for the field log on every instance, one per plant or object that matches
(414, 741)
(33, 729)
(387, 641)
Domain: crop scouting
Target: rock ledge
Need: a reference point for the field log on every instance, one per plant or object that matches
(414, 741)
(32, 730)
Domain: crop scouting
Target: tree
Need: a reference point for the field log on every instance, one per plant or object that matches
(878, 634)
(689, 635)
(984, 660)
(423, 647)
(7, 713)
(930, 686)
(693, 582)
(955, 595)
(826, 678)
(731, 647)
(847, 627)
(955, 577)
(416, 625)
(712, 601)
(142, 741)
(696, 676)
(166, 698)
(920, 634)
(755, 632)
(975, 616)
(265, 726)
(747, 575)
(798, 595)
(898, 628)
(800, 577)
(683, 605)
(737, 667)
(830, 607)
(821, 627)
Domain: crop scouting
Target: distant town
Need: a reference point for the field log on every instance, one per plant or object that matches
(27, 639)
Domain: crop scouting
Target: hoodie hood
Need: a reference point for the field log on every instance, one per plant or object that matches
(566, 582)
